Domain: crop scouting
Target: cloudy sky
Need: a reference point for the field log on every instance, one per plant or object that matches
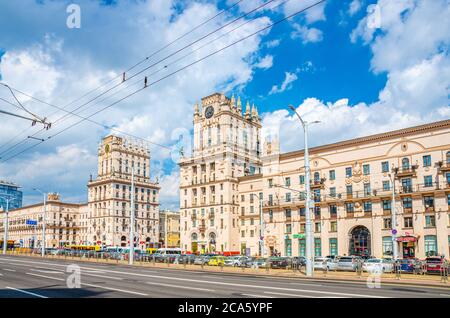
(358, 66)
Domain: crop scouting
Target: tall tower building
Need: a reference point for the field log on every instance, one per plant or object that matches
(109, 196)
(226, 146)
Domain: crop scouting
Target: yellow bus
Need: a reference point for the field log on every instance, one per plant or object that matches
(151, 250)
(83, 247)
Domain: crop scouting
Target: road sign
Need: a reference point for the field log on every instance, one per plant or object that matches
(394, 231)
(31, 222)
(299, 236)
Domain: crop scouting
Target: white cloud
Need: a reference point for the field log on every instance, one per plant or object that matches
(354, 7)
(273, 43)
(308, 35)
(82, 59)
(265, 63)
(289, 78)
(314, 14)
(412, 48)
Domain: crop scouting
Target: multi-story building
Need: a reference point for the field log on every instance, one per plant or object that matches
(169, 224)
(109, 197)
(62, 226)
(226, 146)
(10, 191)
(352, 186)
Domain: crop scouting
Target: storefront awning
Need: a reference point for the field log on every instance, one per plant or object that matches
(407, 239)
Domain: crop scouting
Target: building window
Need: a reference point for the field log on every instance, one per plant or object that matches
(428, 202)
(302, 227)
(333, 210)
(405, 163)
(287, 213)
(302, 247)
(333, 246)
(386, 205)
(387, 222)
(317, 227)
(302, 212)
(367, 189)
(302, 179)
(288, 182)
(349, 190)
(316, 177)
(317, 211)
(317, 247)
(430, 221)
(270, 216)
(288, 228)
(428, 181)
(408, 222)
(386, 185)
(366, 169)
(348, 172)
(367, 206)
(427, 161)
(385, 166)
(333, 192)
(349, 207)
(332, 174)
(388, 246)
(288, 197)
(407, 202)
(270, 183)
(316, 194)
(288, 247)
(431, 245)
(333, 226)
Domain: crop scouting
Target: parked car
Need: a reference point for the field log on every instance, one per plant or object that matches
(202, 260)
(378, 265)
(235, 260)
(279, 262)
(408, 265)
(321, 263)
(434, 264)
(259, 262)
(216, 261)
(348, 263)
(299, 260)
(188, 258)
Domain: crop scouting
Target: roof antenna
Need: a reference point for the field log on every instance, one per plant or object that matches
(123, 77)
(145, 82)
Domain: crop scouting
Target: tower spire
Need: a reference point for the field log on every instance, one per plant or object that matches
(239, 105)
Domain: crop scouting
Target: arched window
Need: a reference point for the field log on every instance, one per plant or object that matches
(448, 157)
(123, 238)
(316, 177)
(405, 163)
(194, 237)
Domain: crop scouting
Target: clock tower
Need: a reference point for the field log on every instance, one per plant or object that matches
(226, 146)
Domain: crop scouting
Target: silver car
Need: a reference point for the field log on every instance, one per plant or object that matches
(235, 261)
(324, 263)
(348, 263)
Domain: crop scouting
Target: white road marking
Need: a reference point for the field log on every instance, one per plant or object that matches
(182, 287)
(9, 270)
(257, 296)
(101, 276)
(26, 292)
(92, 285)
(296, 295)
(46, 271)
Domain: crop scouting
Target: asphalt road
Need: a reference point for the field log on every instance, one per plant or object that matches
(36, 278)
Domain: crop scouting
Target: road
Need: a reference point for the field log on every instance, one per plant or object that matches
(37, 278)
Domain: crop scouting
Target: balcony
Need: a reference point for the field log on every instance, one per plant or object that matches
(202, 228)
(193, 217)
(317, 184)
(444, 166)
(406, 172)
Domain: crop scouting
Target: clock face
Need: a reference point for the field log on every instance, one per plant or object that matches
(209, 112)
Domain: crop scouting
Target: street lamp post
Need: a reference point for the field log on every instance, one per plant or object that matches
(44, 221)
(308, 225)
(5, 238)
(394, 218)
(131, 255)
(261, 225)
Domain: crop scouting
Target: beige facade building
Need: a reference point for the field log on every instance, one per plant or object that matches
(351, 184)
(109, 197)
(169, 224)
(63, 224)
(226, 147)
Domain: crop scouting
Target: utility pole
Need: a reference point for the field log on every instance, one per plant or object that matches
(166, 229)
(308, 223)
(44, 221)
(5, 238)
(131, 256)
(394, 219)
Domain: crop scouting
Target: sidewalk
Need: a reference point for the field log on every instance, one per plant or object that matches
(405, 279)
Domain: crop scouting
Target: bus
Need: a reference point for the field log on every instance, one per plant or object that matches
(151, 250)
(171, 251)
(83, 247)
(10, 244)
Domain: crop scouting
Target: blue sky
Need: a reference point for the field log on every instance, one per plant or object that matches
(359, 66)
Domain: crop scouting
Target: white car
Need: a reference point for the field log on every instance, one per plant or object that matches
(324, 263)
(235, 261)
(378, 265)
